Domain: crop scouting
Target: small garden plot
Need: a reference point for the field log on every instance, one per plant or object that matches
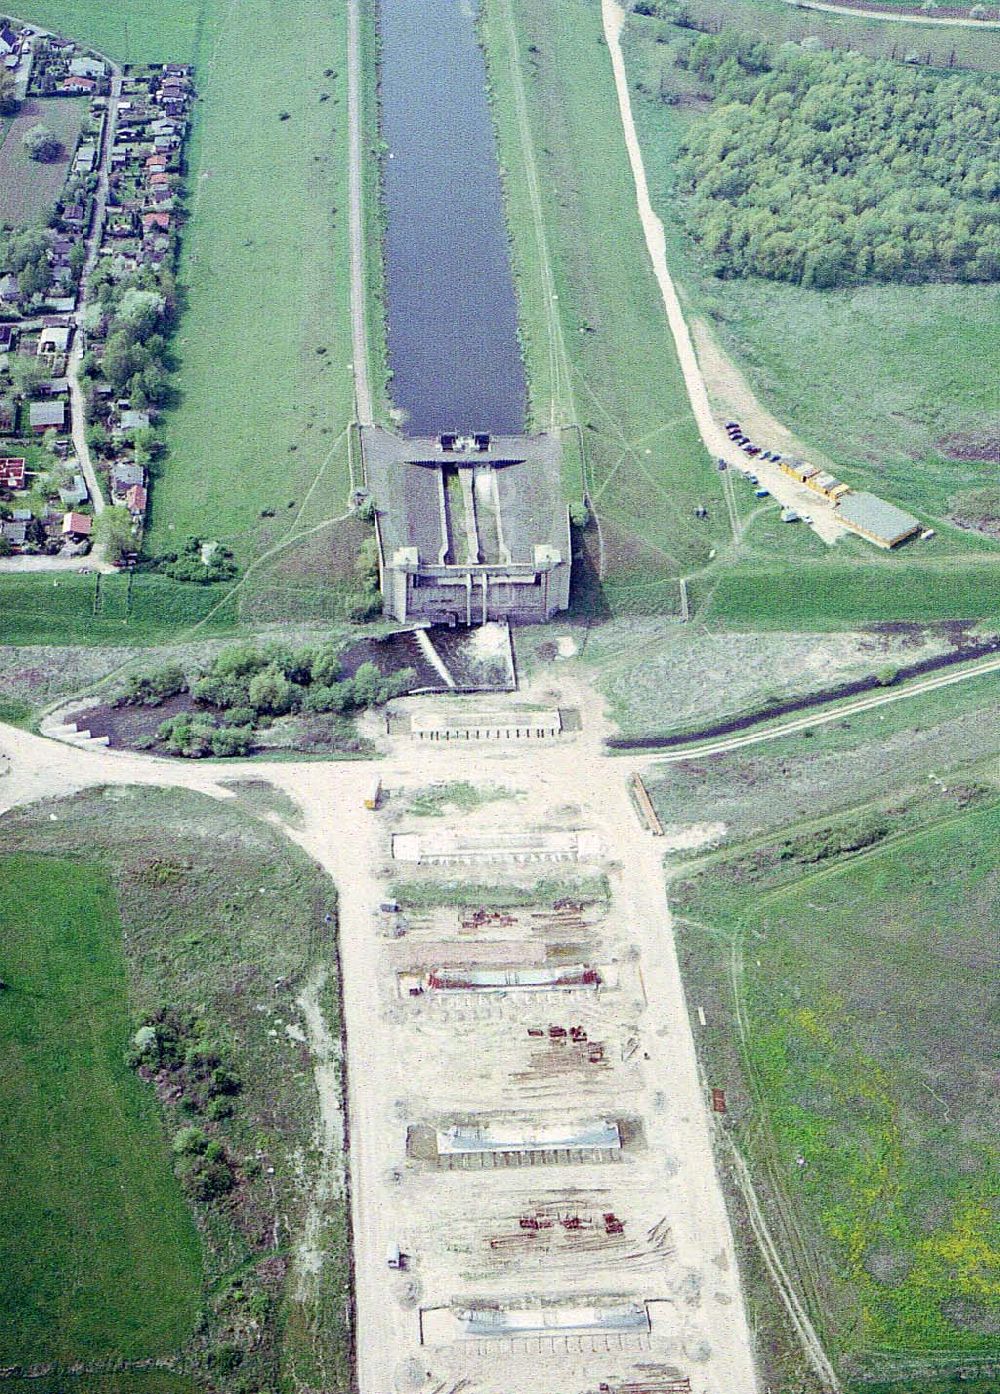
(30, 187)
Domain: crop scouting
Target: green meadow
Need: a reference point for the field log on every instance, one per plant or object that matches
(98, 1252)
(851, 997)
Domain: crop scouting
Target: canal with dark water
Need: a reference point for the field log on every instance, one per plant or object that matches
(452, 309)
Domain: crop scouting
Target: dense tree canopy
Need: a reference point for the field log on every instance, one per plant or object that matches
(828, 168)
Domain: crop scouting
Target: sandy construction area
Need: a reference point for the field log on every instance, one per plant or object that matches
(516, 1279)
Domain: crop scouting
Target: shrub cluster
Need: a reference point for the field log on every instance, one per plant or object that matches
(174, 1042)
(150, 689)
(172, 1045)
(200, 560)
(246, 688)
(137, 316)
(202, 1165)
(829, 169)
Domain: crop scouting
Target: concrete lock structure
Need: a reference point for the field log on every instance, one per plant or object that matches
(470, 528)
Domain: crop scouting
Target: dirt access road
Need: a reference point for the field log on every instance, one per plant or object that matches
(788, 493)
(570, 774)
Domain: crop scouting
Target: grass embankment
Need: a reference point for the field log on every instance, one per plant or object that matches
(647, 470)
(830, 964)
(894, 374)
(415, 894)
(455, 796)
(224, 924)
(882, 756)
(91, 1207)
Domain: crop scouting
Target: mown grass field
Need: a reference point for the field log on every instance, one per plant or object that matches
(265, 390)
(225, 919)
(130, 31)
(91, 1210)
(849, 999)
(29, 188)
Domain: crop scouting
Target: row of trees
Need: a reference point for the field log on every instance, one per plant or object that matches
(828, 168)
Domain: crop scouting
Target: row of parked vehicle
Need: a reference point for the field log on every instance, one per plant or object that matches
(738, 437)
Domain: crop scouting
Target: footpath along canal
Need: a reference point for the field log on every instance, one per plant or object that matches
(452, 308)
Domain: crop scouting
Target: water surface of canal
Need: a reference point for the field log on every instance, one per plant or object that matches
(452, 310)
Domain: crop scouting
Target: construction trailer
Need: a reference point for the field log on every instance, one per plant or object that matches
(875, 520)
(819, 481)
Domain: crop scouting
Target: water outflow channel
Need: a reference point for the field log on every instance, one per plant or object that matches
(452, 310)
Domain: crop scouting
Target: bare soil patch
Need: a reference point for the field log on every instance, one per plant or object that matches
(977, 510)
(135, 728)
(982, 444)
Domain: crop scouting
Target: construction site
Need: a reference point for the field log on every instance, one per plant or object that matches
(521, 1039)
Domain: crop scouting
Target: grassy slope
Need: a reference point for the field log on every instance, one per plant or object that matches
(97, 1209)
(860, 1064)
(264, 266)
(647, 468)
(871, 1075)
(891, 370)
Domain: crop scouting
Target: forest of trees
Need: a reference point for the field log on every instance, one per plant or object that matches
(830, 169)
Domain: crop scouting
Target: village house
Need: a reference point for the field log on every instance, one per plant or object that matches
(87, 67)
(85, 159)
(47, 416)
(9, 41)
(12, 474)
(135, 501)
(14, 533)
(125, 475)
(10, 291)
(77, 526)
(130, 421)
(54, 339)
(76, 85)
(76, 493)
